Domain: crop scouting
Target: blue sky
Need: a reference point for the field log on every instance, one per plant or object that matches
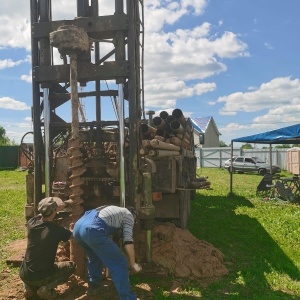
(235, 60)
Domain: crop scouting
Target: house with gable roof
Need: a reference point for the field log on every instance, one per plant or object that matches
(208, 127)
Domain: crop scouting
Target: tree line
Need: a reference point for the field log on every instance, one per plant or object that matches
(4, 140)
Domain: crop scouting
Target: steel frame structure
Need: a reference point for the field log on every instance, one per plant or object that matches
(125, 30)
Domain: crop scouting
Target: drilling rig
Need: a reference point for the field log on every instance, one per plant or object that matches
(135, 158)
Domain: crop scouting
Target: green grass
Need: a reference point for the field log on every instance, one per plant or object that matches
(260, 239)
(12, 202)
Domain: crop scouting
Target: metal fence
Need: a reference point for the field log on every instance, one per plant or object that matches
(215, 157)
(9, 157)
(206, 157)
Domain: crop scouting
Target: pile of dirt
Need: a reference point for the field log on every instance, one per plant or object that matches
(183, 255)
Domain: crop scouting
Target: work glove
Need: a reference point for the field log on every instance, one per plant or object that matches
(136, 268)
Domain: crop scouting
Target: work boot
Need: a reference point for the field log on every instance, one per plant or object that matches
(46, 293)
(29, 292)
(93, 289)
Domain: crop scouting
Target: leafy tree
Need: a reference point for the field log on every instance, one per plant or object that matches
(283, 146)
(222, 144)
(247, 146)
(4, 140)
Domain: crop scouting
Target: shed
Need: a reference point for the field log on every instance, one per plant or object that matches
(207, 126)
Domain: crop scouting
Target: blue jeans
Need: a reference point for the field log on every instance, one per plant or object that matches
(93, 235)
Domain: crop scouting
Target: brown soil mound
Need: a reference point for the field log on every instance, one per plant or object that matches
(183, 255)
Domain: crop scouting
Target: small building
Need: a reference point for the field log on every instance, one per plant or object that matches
(208, 127)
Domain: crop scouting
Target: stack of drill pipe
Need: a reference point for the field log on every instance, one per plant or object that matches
(163, 149)
(160, 138)
(163, 114)
(177, 127)
(181, 134)
(161, 153)
(168, 135)
(168, 129)
(170, 119)
(178, 115)
(160, 132)
(185, 136)
(144, 151)
(146, 143)
(162, 145)
(158, 148)
(145, 147)
(184, 139)
(178, 142)
(159, 123)
(148, 131)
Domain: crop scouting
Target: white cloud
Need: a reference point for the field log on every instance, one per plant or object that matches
(229, 46)
(279, 91)
(289, 113)
(164, 12)
(9, 103)
(252, 88)
(15, 33)
(204, 87)
(184, 55)
(277, 102)
(165, 93)
(15, 14)
(27, 78)
(269, 46)
(234, 130)
(9, 63)
(197, 5)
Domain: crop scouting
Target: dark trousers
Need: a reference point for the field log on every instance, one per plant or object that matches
(63, 270)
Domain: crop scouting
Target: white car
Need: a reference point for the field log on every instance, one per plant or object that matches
(242, 164)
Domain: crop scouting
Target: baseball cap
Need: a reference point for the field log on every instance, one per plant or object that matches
(47, 205)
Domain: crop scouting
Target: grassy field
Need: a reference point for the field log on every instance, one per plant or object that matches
(12, 201)
(260, 239)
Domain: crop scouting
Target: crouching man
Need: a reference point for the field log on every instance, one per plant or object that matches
(38, 271)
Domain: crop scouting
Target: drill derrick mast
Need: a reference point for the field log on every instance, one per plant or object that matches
(127, 160)
(53, 81)
(83, 161)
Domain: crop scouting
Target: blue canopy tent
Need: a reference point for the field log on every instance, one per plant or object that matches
(285, 135)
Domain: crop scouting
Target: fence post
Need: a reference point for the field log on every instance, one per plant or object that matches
(201, 157)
